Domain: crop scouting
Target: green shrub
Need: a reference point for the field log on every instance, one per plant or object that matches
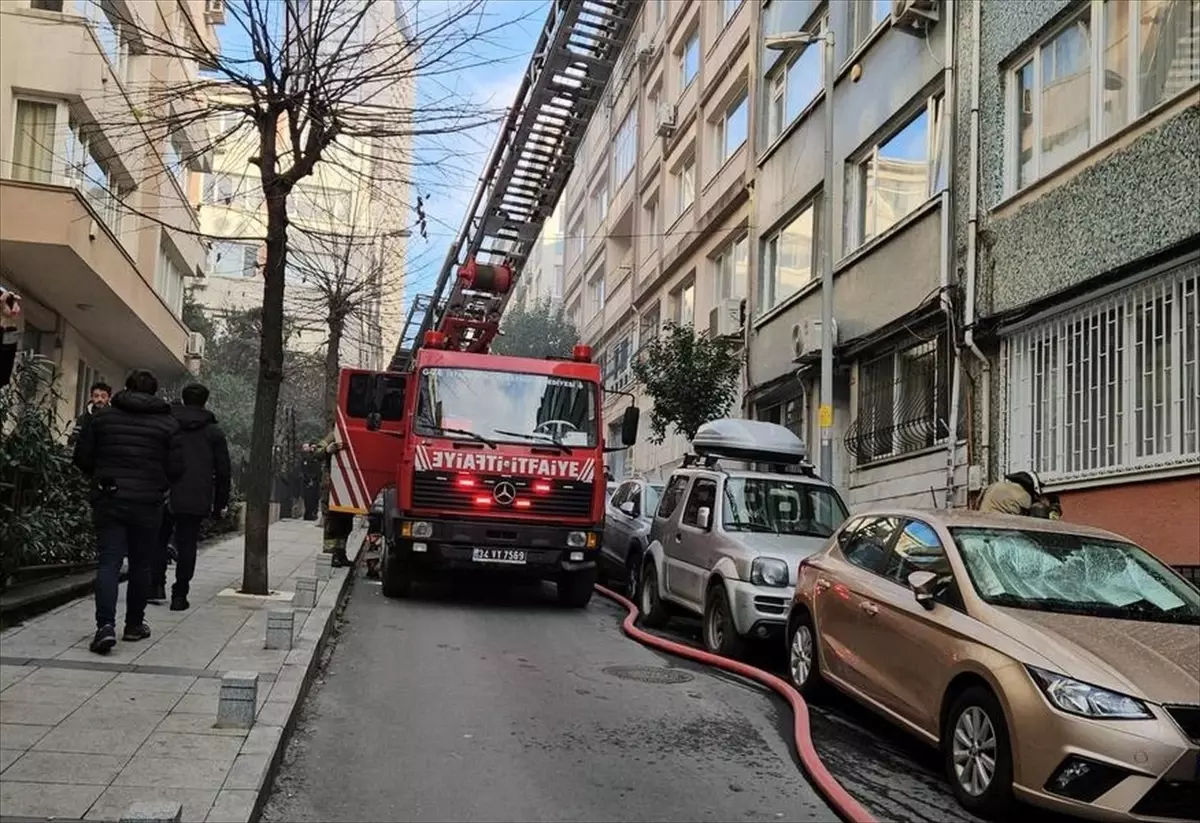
(44, 512)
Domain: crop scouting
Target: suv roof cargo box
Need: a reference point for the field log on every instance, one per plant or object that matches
(754, 441)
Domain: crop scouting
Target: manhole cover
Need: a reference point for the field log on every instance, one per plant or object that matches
(649, 674)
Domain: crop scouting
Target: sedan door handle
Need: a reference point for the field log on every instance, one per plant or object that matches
(678, 537)
(869, 607)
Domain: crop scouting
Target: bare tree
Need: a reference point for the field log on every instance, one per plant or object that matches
(316, 84)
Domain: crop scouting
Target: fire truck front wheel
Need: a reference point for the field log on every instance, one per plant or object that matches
(575, 588)
(397, 581)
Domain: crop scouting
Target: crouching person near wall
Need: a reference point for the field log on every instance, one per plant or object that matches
(132, 452)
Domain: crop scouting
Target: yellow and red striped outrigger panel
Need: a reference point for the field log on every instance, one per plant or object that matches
(347, 490)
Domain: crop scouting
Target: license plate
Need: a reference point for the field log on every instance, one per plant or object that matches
(515, 557)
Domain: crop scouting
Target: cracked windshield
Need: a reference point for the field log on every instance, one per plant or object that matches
(507, 407)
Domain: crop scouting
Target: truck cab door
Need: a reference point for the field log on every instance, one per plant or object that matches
(370, 457)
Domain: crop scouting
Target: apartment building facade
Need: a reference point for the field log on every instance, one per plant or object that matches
(543, 276)
(96, 228)
(1088, 237)
(660, 197)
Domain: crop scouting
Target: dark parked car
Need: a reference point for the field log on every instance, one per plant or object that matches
(627, 519)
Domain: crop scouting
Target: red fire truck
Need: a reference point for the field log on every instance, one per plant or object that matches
(487, 462)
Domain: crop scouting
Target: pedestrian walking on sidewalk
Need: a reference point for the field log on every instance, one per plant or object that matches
(311, 465)
(132, 452)
(100, 396)
(202, 491)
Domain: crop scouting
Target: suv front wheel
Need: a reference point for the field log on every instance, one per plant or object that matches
(654, 611)
(720, 633)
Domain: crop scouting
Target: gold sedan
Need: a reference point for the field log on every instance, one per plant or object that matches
(1052, 663)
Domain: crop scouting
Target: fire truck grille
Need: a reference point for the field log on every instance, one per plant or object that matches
(560, 498)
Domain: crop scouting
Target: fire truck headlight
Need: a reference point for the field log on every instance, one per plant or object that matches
(577, 540)
(421, 529)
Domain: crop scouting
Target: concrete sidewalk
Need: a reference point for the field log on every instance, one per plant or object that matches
(85, 737)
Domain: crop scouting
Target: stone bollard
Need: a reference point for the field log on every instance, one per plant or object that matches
(280, 625)
(306, 593)
(238, 702)
(159, 811)
(324, 566)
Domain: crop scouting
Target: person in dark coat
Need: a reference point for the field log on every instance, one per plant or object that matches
(132, 451)
(311, 468)
(202, 491)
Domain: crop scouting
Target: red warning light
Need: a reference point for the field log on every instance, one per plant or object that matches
(522, 504)
(581, 353)
(483, 500)
(465, 481)
(541, 486)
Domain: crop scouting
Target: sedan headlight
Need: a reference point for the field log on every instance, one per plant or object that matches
(1075, 697)
(769, 571)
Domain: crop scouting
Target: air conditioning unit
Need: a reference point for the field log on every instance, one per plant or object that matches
(914, 16)
(214, 11)
(643, 48)
(725, 319)
(806, 337)
(195, 345)
(664, 121)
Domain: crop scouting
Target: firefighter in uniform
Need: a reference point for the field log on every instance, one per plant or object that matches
(338, 525)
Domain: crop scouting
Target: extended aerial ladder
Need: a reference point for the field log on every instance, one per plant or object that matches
(525, 175)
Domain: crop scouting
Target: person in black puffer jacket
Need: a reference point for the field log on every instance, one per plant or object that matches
(202, 491)
(132, 451)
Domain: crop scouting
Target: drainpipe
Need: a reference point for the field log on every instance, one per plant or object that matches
(949, 246)
(985, 381)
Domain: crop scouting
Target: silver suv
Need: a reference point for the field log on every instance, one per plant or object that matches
(726, 545)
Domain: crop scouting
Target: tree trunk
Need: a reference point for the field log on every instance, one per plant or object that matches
(333, 351)
(255, 577)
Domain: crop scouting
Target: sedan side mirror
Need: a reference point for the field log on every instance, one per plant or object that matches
(704, 515)
(924, 586)
(627, 507)
(629, 425)
(374, 421)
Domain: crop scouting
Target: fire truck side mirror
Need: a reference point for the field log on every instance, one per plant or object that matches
(374, 421)
(629, 425)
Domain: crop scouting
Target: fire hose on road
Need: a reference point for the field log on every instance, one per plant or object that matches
(841, 801)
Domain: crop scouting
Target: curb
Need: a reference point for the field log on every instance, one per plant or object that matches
(840, 801)
(17, 610)
(335, 603)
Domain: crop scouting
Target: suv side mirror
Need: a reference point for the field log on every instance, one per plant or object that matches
(374, 421)
(704, 515)
(629, 425)
(924, 586)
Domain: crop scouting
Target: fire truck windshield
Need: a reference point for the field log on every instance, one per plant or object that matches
(507, 406)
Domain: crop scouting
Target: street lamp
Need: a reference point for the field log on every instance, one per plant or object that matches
(789, 42)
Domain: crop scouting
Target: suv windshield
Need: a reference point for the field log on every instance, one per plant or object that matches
(777, 506)
(507, 406)
(1074, 574)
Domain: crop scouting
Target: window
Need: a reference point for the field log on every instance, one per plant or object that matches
(226, 259)
(728, 9)
(685, 186)
(1110, 387)
(672, 496)
(790, 258)
(648, 326)
(703, 495)
(618, 372)
(598, 293)
(917, 549)
(866, 16)
(865, 541)
(90, 172)
(575, 240)
(732, 267)
(173, 159)
(600, 203)
(108, 33)
(625, 147)
(685, 305)
(168, 282)
(732, 128)
(33, 155)
(793, 85)
(903, 401)
(689, 60)
(789, 414)
(901, 173)
(1060, 103)
(616, 462)
(47, 5)
(651, 231)
(660, 10)
(218, 189)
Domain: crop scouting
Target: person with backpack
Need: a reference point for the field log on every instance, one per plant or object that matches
(201, 491)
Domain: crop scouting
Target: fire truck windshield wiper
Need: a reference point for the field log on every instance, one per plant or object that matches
(545, 438)
(464, 432)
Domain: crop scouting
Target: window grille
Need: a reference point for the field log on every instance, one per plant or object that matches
(1110, 387)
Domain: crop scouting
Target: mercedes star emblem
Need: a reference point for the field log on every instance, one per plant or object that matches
(505, 493)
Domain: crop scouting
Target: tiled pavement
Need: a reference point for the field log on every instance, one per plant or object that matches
(85, 737)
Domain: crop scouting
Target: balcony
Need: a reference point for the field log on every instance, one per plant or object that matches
(58, 250)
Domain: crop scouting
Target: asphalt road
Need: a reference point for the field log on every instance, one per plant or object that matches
(498, 705)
